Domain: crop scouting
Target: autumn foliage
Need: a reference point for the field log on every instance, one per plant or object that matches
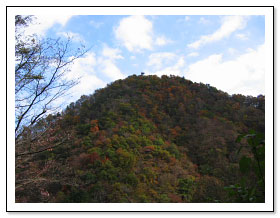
(142, 139)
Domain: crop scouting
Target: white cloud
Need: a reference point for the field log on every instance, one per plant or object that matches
(95, 24)
(107, 63)
(94, 73)
(162, 41)
(156, 59)
(73, 36)
(229, 25)
(244, 74)
(242, 36)
(193, 54)
(175, 69)
(249, 50)
(232, 51)
(82, 66)
(111, 53)
(109, 68)
(43, 22)
(84, 70)
(135, 33)
(203, 20)
(187, 18)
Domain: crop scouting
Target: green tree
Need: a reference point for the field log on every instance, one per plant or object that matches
(251, 187)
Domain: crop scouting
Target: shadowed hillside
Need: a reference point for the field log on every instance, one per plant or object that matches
(145, 139)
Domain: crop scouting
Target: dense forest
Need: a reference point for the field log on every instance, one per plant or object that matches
(146, 139)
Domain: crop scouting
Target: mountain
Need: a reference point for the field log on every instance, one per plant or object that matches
(145, 139)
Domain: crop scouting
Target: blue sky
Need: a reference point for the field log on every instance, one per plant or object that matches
(224, 51)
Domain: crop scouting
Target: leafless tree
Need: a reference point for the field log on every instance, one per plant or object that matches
(41, 67)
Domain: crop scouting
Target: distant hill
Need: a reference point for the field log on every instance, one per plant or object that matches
(141, 139)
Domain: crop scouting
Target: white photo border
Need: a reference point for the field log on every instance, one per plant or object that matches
(267, 11)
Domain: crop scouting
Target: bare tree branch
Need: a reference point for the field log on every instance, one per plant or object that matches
(41, 66)
(45, 149)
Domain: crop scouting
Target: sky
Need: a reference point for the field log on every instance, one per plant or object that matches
(226, 52)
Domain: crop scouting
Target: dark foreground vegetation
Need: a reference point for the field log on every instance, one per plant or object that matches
(146, 139)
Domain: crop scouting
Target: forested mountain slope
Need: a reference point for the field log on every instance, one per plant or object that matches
(142, 139)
